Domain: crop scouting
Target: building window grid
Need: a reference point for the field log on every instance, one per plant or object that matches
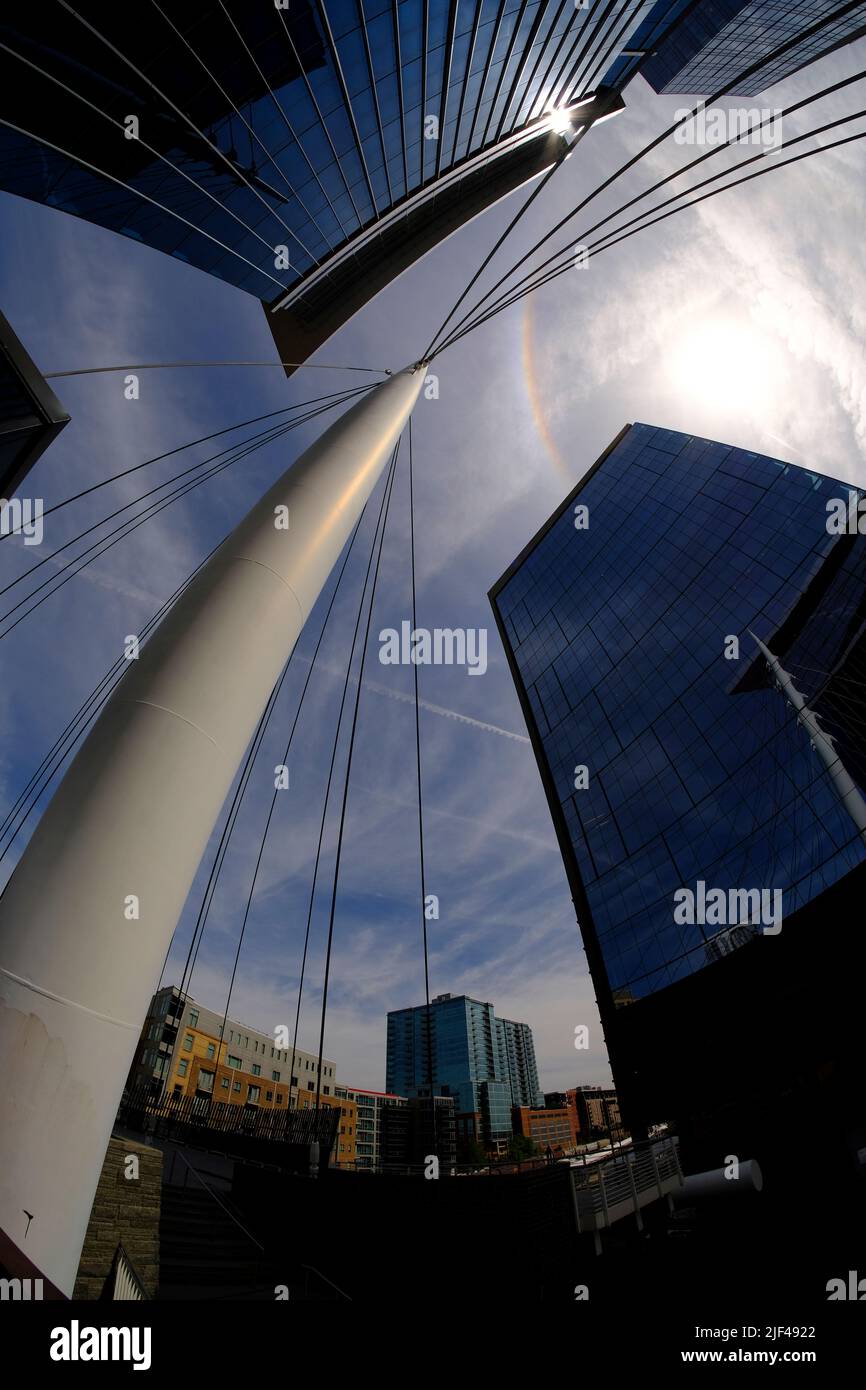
(780, 530)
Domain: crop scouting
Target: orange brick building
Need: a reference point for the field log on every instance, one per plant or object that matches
(547, 1128)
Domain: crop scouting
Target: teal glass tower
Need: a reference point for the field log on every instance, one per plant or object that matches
(463, 1050)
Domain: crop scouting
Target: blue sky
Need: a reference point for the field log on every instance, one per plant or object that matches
(743, 320)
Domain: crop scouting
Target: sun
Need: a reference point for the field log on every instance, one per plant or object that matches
(725, 364)
(560, 120)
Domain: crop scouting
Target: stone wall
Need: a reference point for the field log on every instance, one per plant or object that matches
(126, 1209)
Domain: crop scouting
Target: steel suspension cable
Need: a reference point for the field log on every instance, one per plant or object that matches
(524, 207)
(264, 436)
(137, 193)
(234, 170)
(327, 796)
(287, 122)
(224, 841)
(669, 178)
(513, 223)
(677, 173)
(253, 133)
(117, 668)
(354, 726)
(428, 1016)
(217, 434)
(605, 244)
(150, 148)
(158, 366)
(132, 524)
(285, 759)
(120, 663)
(605, 241)
(730, 86)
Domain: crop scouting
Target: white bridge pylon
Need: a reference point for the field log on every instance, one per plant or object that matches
(131, 819)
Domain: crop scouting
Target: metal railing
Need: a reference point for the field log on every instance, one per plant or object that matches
(196, 1119)
(500, 1167)
(123, 1284)
(612, 1189)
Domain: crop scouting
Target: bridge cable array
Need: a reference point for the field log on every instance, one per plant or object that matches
(99, 547)
(605, 243)
(179, 449)
(428, 1015)
(438, 346)
(87, 712)
(345, 793)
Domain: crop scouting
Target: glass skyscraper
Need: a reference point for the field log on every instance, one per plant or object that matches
(713, 40)
(517, 1046)
(305, 153)
(669, 757)
(487, 1064)
(308, 153)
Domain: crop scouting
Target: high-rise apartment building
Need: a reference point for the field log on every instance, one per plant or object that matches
(518, 1046)
(461, 1049)
(714, 853)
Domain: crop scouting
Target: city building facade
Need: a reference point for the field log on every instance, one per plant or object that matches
(306, 154)
(461, 1049)
(703, 838)
(188, 1049)
(368, 1132)
(343, 1153)
(548, 1127)
(516, 1042)
(596, 1110)
(422, 1129)
(712, 41)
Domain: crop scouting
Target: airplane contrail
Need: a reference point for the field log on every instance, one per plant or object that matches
(446, 713)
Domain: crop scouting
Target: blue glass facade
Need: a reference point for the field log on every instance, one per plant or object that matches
(716, 39)
(655, 21)
(495, 1106)
(696, 766)
(518, 1049)
(487, 1064)
(260, 127)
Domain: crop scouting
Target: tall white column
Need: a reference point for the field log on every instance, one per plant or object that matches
(129, 823)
